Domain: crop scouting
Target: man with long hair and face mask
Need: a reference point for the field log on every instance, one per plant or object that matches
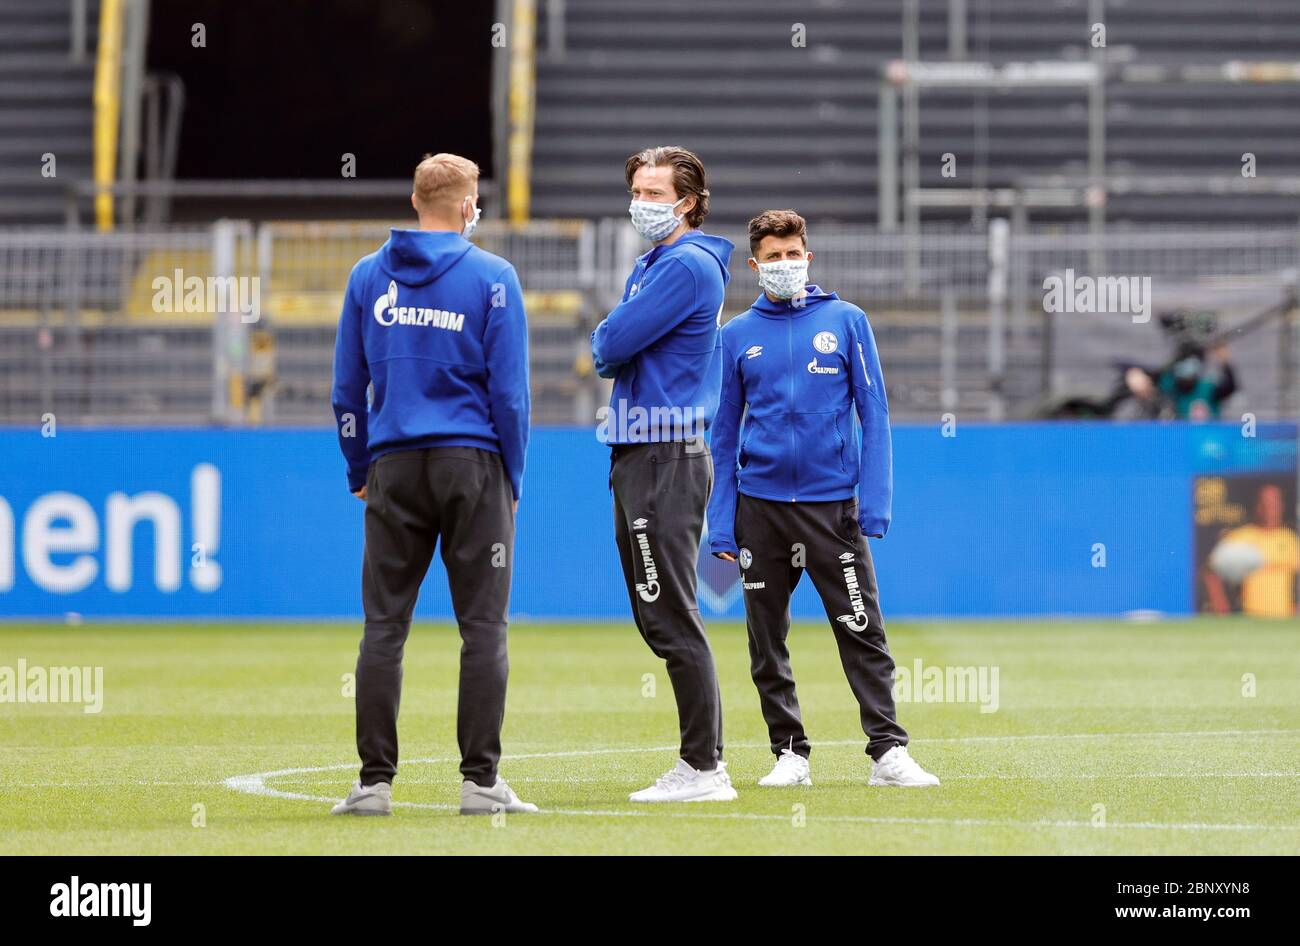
(799, 489)
(660, 347)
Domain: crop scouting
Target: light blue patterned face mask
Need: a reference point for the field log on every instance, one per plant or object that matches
(784, 278)
(471, 224)
(654, 220)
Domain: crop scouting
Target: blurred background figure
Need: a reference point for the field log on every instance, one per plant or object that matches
(1198, 380)
(1191, 385)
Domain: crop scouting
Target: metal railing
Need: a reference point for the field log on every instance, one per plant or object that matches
(304, 267)
(79, 14)
(164, 104)
(959, 314)
(80, 336)
(78, 195)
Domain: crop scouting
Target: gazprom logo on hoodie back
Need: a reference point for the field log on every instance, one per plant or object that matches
(388, 312)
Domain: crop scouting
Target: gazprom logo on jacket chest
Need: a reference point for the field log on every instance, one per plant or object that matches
(388, 312)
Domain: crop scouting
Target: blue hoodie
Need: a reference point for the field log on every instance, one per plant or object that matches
(801, 371)
(660, 344)
(437, 325)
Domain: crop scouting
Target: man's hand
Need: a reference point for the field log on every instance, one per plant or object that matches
(603, 370)
(1139, 383)
(360, 494)
(725, 556)
(516, 508)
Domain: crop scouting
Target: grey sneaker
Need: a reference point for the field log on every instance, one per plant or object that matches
(374, 799)
(477, 800)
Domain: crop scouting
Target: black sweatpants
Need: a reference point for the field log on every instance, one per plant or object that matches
(413, 498)
(778, 542)
(660, 494)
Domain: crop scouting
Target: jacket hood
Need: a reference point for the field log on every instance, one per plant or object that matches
(418, 257)
(717, 247)
(787, 309)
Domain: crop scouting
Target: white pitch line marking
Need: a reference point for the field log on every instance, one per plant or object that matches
(973, 777)
(255, 784)
(579, 780)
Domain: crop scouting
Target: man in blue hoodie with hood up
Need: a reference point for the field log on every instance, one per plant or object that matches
(796, 367)
(660, 345)
(435, 328)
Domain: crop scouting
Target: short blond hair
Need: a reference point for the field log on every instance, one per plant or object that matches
(444, 180)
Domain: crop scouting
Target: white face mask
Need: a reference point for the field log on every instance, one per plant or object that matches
(654, 220)
(471, 224)
(783, 279)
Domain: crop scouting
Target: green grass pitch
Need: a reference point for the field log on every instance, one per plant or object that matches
(1108, 738)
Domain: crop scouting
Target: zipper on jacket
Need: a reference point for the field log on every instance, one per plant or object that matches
(789, 417)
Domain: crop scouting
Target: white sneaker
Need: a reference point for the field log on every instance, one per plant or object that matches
(374, 799)
(477, 800)
(899, 769)
(790, 769)
(684, 783)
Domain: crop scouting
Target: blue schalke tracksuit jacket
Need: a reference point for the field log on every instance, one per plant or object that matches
(660, 344)
(796, 375)
(437, 326)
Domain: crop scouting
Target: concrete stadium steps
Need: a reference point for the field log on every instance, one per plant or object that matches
(45, 107)
(1186, 30)
(1156, 130)
(41, 27)
(781, 126)
(1204, 30)
(1262, 119)
(773, 123)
